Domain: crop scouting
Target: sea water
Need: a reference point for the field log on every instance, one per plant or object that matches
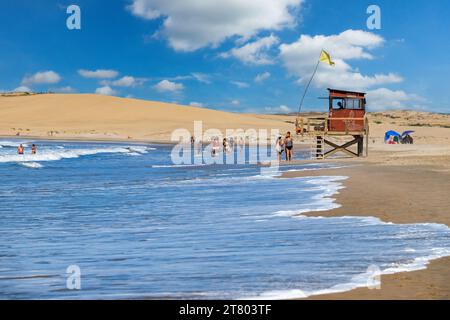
(137, 226)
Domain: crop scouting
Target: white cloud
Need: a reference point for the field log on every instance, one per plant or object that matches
(196, 104)
(240, 84)
(280, 109)
(98, 74)
(201, 77)
(168, 86)
(384, 99)
(44, 77)
(235, 102)
(262, 77)
(67, 89)
(189, 25)
(126, 81)
(106, 90)
(301, 57)
(254, 52)
(197, 76)
(22, 89)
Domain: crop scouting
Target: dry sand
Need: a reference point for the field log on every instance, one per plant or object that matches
(89, 116)
(397, 183)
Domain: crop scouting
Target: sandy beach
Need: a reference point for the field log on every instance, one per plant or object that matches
(396, 183)
(398, 194)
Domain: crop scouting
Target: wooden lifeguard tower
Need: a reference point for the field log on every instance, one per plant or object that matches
(346, 118)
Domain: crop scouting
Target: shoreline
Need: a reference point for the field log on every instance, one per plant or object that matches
(386, 199)
(428, 203)
(86, 140)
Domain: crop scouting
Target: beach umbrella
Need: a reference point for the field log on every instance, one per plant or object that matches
(391, 133)
(407, 133)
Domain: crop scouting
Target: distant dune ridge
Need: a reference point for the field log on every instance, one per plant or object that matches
(97, 116)
(91, 116)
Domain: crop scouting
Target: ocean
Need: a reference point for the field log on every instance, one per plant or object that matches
(136, 226)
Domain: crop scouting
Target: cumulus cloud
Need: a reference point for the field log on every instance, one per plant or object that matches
(240, 84)
(168, 86)
(44, 77)
(106, 90)
(280, 109)
(262, 77)
(98, 74)
(384, 99)
(300, 57)
(196, 104)
(22, 89)
(256, 52)
(189, 25)
(126, 81)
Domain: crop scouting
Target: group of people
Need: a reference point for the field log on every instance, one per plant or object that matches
(227, 145)
(285, 145)
(21, 149)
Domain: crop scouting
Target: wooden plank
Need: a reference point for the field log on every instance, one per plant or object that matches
(342, 148)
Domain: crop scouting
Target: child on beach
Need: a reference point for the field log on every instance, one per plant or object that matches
(280, 148)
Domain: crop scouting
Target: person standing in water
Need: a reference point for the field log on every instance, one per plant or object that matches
(20, 149)
(241, 143)
(33, 149)
(215, 147)
(280, 148)
(225, 145)
(289, 146)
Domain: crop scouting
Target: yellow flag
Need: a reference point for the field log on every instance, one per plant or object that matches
(325, 57)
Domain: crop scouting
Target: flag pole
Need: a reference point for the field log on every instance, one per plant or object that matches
(307, 87)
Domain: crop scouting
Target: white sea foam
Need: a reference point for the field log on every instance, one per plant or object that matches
(13, 144)
(363, 280)
(156, 166)
(32, 165)
(59, 154)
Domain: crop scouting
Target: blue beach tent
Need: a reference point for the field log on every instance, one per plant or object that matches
(391, 133)
(394, 134)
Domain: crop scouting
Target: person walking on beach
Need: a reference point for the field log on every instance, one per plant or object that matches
(280, 148)
(33, 149)
(20, 149)
(289, 146)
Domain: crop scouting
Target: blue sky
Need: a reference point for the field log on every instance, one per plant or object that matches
(243, 56)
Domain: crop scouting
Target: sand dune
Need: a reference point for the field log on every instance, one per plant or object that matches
(92, 116)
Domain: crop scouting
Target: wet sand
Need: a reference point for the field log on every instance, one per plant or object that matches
(399, 194)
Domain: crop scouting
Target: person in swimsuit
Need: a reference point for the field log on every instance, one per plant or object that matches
(289, 145)
(280, 148)
(20, 149)
(225, 145)
(215, 147)
(33, 149)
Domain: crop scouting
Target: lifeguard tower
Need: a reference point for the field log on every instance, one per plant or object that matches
(346, 118)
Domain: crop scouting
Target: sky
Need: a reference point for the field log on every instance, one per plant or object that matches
(233, 55)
